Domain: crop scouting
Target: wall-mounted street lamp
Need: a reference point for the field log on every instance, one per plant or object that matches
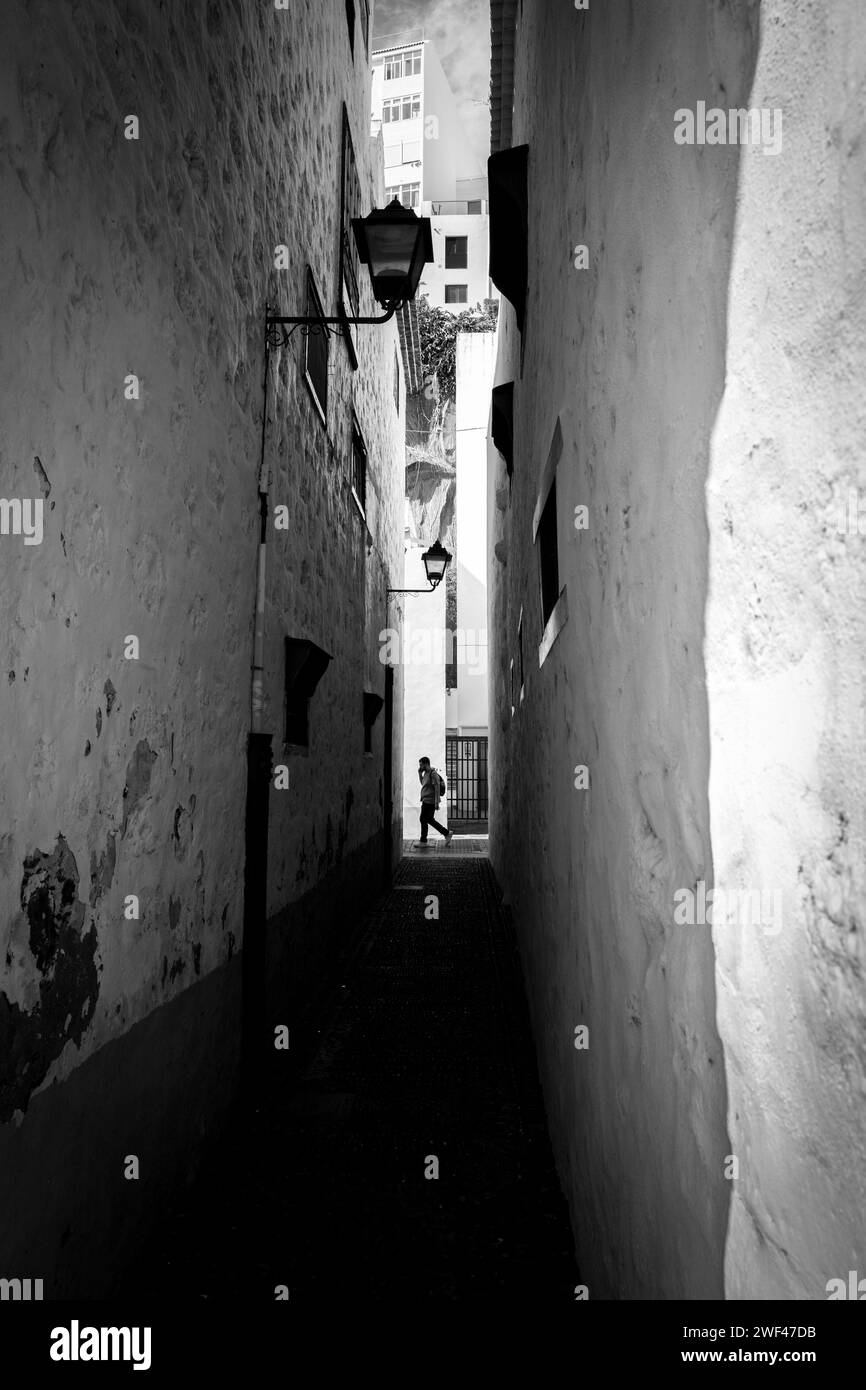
(436, 561)
(395, 245)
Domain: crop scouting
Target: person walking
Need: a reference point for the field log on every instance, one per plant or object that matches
(432, 786)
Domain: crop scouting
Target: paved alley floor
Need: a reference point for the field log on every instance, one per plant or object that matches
(410, 1161)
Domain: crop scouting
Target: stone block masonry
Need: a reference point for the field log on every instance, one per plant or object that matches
(151, 159)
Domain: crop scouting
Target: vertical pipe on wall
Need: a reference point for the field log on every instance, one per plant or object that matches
(254, 1032)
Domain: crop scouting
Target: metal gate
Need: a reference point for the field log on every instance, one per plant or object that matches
(466, 774)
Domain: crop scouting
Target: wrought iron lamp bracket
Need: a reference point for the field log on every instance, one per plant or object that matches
(278, 333)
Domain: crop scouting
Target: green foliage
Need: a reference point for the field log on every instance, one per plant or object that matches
(438, 332)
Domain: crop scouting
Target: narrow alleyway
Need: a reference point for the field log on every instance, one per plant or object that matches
(424, 1057)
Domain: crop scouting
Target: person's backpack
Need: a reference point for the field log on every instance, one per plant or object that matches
(441, 783)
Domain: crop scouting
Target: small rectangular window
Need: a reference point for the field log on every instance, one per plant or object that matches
(350, 206)
(456, 252)
(372, 706)
(316, 352)
(406, 193)
(456, 294)
(402, 64)
(548, 555)
(305, 664)
(411, 151)
(359, 466)
(350, 21)
(365, 23)
(520, 651)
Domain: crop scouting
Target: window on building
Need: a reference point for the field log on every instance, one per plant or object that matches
(474, 206)
(409, 194)
(406, 64)
(305, 664)
(502, 422)
(365, 23)
(509, 225)
(350, 206)
(359, 466)
(372, 705)
(456, 252)
(451, 627)
(316, 352)
(401, 108)
(456, 294)
(548, 555)
(520, 651)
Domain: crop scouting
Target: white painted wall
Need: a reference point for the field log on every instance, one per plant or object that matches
(424, 686)
(474, 373)
(785, 643)
(475, 276)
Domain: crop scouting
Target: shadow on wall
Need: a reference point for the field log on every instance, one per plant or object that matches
(631, 357)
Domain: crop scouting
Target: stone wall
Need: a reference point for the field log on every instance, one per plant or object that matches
(154, 256)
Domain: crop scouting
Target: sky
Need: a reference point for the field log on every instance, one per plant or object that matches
(460, 31)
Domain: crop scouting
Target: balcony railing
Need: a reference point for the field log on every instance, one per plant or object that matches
(471, 207)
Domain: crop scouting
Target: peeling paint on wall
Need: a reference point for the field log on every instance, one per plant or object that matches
(137, 780)
(64, 957)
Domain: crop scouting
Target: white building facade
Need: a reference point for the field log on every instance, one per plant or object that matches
(431, 167)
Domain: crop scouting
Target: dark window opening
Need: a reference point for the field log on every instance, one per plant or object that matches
(372, 705)
(520, 650)
(548, 555)
(316, 352)
(456, 294)
(350, 20)
(473, 206)
(456, 252)
(365, 24)
(305, 665)
(359, 466)
(451, 627)
(350, 206)
(509, 225)
(502, 419)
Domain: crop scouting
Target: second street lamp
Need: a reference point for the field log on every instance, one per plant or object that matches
(436, 560)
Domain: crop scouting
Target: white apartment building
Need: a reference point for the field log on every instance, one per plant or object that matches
(431, 167)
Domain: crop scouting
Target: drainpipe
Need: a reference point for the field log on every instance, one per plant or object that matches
(254, 1024)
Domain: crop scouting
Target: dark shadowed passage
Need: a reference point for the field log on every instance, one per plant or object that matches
(424, 1065)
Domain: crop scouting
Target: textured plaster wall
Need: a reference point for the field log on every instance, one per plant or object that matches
(475, 353)
(155, 257)
(629, 356)
(786, 633)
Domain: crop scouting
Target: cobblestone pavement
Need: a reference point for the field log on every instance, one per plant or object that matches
(424, 1055)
